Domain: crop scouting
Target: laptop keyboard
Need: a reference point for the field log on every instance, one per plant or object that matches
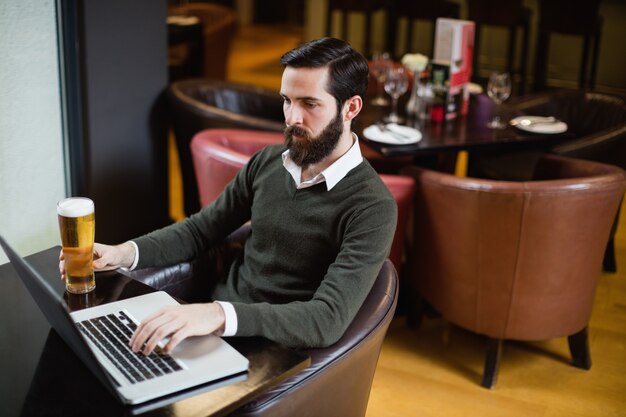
(111, 334)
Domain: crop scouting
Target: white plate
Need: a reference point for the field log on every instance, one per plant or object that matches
(393, 134)
(538, 124)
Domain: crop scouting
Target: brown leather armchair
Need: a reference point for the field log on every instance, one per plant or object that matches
(514, 260)
(339, 379)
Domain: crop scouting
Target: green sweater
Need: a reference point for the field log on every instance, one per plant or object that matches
(312, 256)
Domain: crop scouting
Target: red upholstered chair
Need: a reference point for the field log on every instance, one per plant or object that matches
(219, 153)
(515, 260)
(403, 190)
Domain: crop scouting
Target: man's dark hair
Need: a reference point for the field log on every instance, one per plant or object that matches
(348, 70)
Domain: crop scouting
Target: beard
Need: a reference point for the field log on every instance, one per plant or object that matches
(308, 150)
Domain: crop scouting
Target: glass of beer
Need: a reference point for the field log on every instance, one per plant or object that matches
(77, 221)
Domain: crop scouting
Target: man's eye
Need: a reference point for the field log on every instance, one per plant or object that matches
(310, 104)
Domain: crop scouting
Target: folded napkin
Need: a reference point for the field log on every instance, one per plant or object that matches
(392, 133)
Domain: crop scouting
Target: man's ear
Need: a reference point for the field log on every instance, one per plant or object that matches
(352, 107)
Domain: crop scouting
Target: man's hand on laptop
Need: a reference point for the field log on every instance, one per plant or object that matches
(177, 323)
(106, 257)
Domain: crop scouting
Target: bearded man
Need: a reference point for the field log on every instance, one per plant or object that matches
(322, 221)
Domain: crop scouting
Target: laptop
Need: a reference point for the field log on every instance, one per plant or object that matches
(98, 334)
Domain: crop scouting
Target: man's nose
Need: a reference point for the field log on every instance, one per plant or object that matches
(293, 116)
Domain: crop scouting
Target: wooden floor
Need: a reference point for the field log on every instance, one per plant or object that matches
(436, 370)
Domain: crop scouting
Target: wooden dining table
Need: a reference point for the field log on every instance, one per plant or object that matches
(467, 132)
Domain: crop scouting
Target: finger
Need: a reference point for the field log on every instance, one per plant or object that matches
(140, 335)
(146, 329)
(62, 264)
(104, 264)
(100, 264)
(100, 260)
(149, 319)
(161, 333)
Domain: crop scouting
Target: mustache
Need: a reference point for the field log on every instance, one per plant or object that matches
(292, 130)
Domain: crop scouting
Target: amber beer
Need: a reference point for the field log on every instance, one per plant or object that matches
(77, 222)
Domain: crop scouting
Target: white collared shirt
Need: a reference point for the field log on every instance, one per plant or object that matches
(333, 174)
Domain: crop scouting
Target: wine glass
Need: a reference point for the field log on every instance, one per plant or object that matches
(381, 63)
(498, 90)
(396, 84)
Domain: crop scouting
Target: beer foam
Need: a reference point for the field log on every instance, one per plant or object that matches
(75, 207)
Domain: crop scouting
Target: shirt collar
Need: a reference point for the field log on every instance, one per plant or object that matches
(331, 175)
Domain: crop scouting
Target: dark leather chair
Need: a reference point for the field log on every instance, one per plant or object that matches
(339, 379)
(515, 260)
(599, 124)
(200, 104)
(218, 154)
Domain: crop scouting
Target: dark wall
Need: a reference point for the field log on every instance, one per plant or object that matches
(115, 54)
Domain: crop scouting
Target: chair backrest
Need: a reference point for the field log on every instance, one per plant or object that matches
(200, 104)
(218, 154)
(599, 121)
(515, 260)
(585, 112)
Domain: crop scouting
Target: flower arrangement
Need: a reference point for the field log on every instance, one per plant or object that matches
(415, 62)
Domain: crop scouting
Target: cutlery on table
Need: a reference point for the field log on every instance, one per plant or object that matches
(397, 135)
(535, 120)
